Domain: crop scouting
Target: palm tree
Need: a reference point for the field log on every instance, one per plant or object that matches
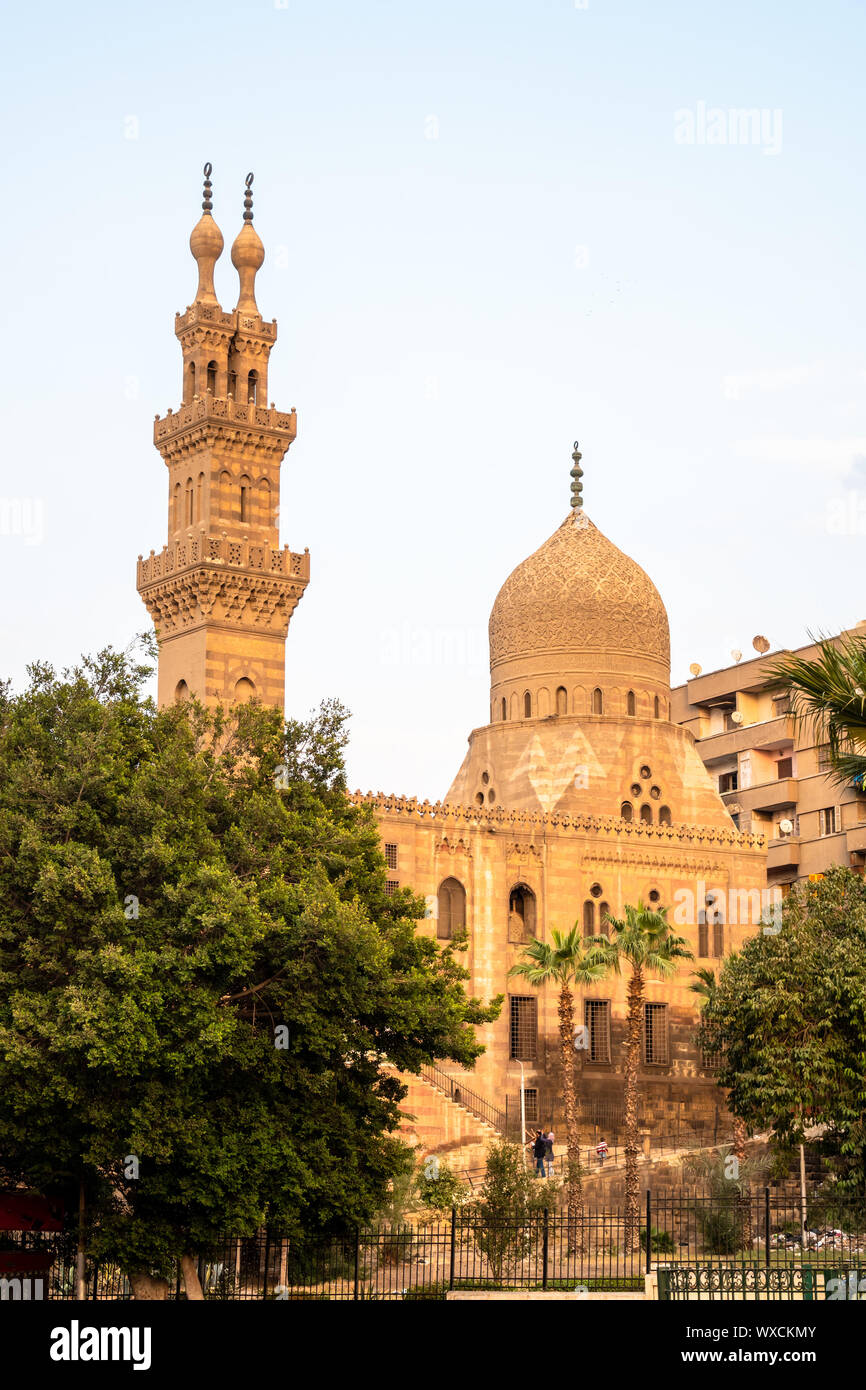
(569, 963)
(645, 941)
(829, 694)
(704, 985)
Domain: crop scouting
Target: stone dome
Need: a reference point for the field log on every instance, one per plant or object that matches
(577, 610)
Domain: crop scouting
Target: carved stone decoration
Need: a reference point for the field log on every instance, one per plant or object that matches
(579, 595)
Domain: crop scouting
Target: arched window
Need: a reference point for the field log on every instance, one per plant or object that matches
(190, 379)
(664, 815)
(504, 708)
(604, 915)
(597, 701)
(657, 708)
(264, 491)
(233, 384)
(190, 502)
(181, 691)
(527, 706)
(451, 917)
(178, 514)
(244, 691)
(211, 377)
(589, 918)
(199, 497)
(225, 496)
(245, 498)
(630, 703)
(252, 387)
(646, 814)
(562, 700)
(718, 936)
(521, 913)
(703, 934)
(626, 810)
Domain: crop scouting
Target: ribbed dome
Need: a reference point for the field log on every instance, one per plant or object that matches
(578, 606)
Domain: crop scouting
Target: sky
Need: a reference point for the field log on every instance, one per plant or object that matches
(491, 229)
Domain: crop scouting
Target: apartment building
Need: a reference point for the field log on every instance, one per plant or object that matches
(772, 777)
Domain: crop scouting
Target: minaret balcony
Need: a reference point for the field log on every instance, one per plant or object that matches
(222, 408)
(199, 548)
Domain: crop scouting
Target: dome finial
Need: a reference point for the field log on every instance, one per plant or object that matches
(206, 244)
(248, 253)
(207, 204)
(576, 475)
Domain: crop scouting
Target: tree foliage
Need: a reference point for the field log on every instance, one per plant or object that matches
(201, 973)
(787, 1017)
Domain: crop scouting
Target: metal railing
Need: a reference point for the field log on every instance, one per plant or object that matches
(454, 1089)
(756, 1239)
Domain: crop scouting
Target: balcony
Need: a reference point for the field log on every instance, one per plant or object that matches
(767, 796)
(856, 840)
(783, 853)
(766, 734)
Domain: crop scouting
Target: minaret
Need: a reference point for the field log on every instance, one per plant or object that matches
(221, 592)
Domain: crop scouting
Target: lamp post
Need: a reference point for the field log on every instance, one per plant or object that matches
(523, 1114)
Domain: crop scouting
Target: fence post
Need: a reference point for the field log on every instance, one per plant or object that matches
(649, 1240)
(766, 1225)
(357, 1260)
(267, 1259)
(545, 1249)
(453, 1247)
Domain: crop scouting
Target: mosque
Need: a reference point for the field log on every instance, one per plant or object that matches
(577, 795)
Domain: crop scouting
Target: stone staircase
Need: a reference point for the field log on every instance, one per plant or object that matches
(435, 1124)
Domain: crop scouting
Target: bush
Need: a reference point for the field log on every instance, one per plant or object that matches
(662, 1241)
(442, 1192)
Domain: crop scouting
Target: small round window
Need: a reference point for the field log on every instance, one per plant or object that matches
(655, 793)
(646, 772)
(595, 890)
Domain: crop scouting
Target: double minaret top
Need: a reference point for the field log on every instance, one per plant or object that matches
(206, 244)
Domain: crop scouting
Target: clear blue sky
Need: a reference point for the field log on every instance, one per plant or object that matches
(453, 312)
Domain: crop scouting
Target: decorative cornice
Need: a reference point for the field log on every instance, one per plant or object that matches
(221, 410)
(441, 812)
(236, 599)
(199, 548)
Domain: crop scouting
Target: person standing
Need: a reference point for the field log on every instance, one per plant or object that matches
(548, 1155)
(539, 1151)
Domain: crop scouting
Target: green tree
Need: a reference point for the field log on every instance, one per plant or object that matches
(505, 1219)
(828, 694)
(704, 984)
(644, 940)
(569, 964)
(202, 977)
(788, 1019)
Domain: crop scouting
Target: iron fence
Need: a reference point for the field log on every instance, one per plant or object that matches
(704, 1246)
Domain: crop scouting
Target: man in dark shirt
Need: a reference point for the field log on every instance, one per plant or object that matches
(539, 1150)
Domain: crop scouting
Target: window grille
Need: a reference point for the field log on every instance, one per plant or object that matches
(391, 856)
(655, 1034)
(524, 1027)
(597, 1018)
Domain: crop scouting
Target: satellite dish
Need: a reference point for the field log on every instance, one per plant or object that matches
(786, 826)
(695, 668)
(737, 654)
(760, 644)
(737, 716)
